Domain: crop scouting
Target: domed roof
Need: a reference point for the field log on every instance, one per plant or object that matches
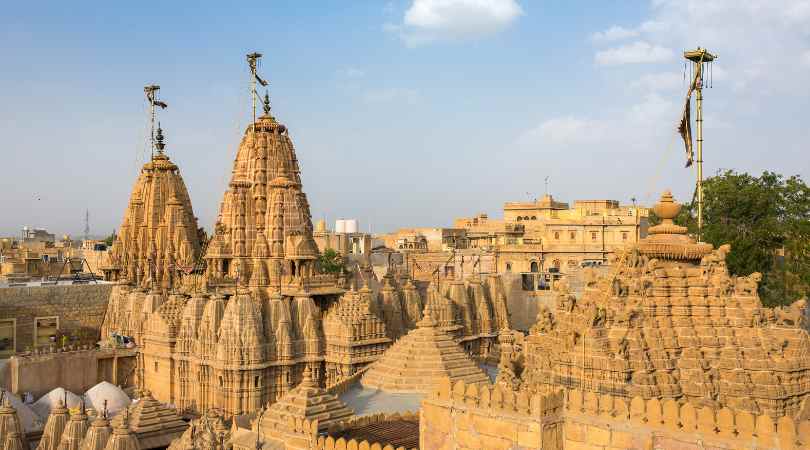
(115, 397)
(53, 399)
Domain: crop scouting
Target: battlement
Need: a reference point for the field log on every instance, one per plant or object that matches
(706, 422)
(496, 399)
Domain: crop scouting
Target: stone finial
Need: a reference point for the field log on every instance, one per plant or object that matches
(159, 144)
(427, 320)
(307, 380)
(266, 103)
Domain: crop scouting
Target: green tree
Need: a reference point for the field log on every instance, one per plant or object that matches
(331, 261)
(110, 239)
(766, 220)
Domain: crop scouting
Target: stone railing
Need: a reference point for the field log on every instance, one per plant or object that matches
(345, 384)
(498, 399)
(722, 423)
(329, 443)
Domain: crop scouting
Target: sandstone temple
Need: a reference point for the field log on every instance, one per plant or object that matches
(247, 341)
(241, 334)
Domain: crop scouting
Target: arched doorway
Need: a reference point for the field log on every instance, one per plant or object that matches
(534, 267)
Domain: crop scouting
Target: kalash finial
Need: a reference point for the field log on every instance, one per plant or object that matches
(266, 103)
(159, 140)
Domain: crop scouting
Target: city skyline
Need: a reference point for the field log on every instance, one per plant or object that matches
(395, 119)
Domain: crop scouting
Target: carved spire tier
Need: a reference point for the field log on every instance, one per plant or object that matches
(158, 235)
(263, 235)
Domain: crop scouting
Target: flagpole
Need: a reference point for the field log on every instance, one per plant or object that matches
(698, 57)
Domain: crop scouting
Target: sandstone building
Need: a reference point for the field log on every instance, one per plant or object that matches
(264, 312)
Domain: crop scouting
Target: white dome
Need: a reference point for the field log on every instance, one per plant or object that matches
(116, 399)
(51, 400)
(29, 420)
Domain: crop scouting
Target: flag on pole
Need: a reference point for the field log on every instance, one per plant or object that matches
(685, 126)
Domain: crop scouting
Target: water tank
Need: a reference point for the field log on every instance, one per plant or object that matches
(340, 226)
(351, 225)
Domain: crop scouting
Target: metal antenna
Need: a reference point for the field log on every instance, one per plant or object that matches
(151, 92)
(87, 225)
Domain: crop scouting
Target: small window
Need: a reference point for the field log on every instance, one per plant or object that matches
(221, 381)
(156, 366)
(573, 235)
(594, 235)
(557, 235)
(45, 329)
(256, 381)
(534, 267)
(519, 218)
(534, 217)
(508, 267)
(624, 235)
(8, 337)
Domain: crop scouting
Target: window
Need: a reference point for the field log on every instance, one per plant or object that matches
(527, 281)
(508, 267)
(573, 235)
(594, 235)
(156, 366)
(256, 381)
(45, 329)
(8, 337)
(557, 235)
(624, 235)
(519, 218)
(534, 217)
(534, 267)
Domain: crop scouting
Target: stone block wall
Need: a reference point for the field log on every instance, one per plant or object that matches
(77, 306)
(475, 417)
(594, 422)
(76, 371)
(465, 417)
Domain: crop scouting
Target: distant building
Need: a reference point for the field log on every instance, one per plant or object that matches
(344, 239)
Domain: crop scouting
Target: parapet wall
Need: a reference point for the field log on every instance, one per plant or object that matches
(76, 306)
(467, 417)
(339, 436)
(76, 371)
(473, 417)
(606, 422)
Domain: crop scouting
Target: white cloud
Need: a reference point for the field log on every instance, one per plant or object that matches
(392, 95)
(636, 53)
(660, 82)
(565, 130)
(431, 20)
(614, 33)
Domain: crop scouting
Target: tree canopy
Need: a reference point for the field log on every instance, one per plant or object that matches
(766, 220)
(331, 261)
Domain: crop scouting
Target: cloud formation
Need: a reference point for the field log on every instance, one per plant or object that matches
(614, 33)
(427, 21)
(638, 52)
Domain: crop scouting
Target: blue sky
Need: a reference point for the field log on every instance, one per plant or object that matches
(404, 113)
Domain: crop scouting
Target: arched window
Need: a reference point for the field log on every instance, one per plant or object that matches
(519, 218)
(534, 217)
(557, 264)
(508, 267)
(557, 235)
(534, 267)
(573, 235)
(525, 217)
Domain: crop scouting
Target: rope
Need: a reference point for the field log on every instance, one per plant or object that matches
(657, 173)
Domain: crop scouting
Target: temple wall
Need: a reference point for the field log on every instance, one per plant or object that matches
(76, 306)
(76, 371)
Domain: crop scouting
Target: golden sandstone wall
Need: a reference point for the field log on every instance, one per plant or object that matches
(79, 306)
(472, 417)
